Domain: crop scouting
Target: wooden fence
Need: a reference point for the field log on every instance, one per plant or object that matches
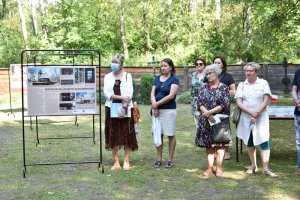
(273, 73)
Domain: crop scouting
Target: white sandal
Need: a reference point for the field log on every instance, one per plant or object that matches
(270, 174)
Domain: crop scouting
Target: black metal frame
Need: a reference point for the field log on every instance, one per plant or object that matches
(68, 53)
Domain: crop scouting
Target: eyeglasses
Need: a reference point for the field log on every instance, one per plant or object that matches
(209, 73)
(199, 64)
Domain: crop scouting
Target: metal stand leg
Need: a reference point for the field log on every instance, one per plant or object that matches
(24, 172)
(76, 121)
(9, 87)
(30, 123)
(37, 131)
(94, 129)
(241, 146)
(237, 148)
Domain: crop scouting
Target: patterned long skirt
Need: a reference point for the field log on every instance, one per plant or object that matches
(119, 133)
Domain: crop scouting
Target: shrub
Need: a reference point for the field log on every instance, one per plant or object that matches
(103, 99)
(136, 92)
(145, 89)
(185, 98)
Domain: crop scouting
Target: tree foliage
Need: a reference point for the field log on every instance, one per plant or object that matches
(180, 29)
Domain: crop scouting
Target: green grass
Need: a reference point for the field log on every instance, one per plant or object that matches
(184, 181)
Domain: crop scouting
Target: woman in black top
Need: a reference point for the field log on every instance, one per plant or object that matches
(225, 77)
(228, 80)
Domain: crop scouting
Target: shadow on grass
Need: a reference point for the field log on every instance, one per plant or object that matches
(13, 110)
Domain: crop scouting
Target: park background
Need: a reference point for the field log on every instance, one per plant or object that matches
(146, 31)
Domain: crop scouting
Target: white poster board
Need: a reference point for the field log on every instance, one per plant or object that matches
(63, 90)
(16, 76)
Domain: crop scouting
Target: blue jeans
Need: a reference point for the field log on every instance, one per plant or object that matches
(297, 127)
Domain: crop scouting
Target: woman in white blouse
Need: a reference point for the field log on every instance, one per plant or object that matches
(252, 97)
(119, 125)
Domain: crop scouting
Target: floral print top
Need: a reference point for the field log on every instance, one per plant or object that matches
(211, 98)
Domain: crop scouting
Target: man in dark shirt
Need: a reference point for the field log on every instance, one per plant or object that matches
(296, 98)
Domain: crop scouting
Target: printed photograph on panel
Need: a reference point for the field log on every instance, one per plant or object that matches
(67, 71)
(89, 75)
(43, 76)
(85, 98)
(66, 106)
(79, 75)
(70, 96)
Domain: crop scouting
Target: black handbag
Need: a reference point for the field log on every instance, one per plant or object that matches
(221, 131)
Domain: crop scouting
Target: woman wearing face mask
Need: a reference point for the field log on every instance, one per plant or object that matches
(163, 97)
(228, 80)
(119, 131)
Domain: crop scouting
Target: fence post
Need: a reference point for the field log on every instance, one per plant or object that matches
(265, 71)
(186, 78)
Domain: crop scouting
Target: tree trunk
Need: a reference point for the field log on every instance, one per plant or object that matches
(207, 2)
(169, 25)
(248, 20)
(147, 44)
(122, 27)
(193, 7)
(23, 23)
(43, 4)
(3, 9)
(218, 11)
(249, 55)
(34, 17)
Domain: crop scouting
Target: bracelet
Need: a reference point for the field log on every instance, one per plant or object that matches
(124, 107)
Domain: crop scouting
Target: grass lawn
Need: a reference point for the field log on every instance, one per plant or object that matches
(184, 181)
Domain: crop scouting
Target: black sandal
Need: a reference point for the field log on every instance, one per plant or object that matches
(157, 164)
(169, 164)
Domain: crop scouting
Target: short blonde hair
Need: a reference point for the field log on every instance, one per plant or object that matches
(118, 58)
(214, 68)
(254, 65)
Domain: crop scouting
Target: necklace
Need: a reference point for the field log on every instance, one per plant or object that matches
(212, 88)
(163, 82)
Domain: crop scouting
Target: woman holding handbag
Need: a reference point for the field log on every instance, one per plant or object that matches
(252, 97)
(119, 125)
(213, 99)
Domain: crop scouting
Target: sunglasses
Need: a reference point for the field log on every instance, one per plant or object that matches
(199, 64)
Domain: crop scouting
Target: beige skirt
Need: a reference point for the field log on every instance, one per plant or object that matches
(167, 119)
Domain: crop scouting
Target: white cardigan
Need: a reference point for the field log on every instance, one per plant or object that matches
(126, 87)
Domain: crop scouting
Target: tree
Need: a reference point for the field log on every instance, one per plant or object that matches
(23, 23)
(218, 11)
(122, 29)
(3, 9)
(34, 17)
(147, 44)
(43, 4)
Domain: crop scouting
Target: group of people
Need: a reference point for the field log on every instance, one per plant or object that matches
(212, 88)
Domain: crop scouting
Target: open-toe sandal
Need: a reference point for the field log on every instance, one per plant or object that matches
(169, 164)
(251, 170)
(219, 173)
(157, 164)
(208, 172)
(270, 174)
